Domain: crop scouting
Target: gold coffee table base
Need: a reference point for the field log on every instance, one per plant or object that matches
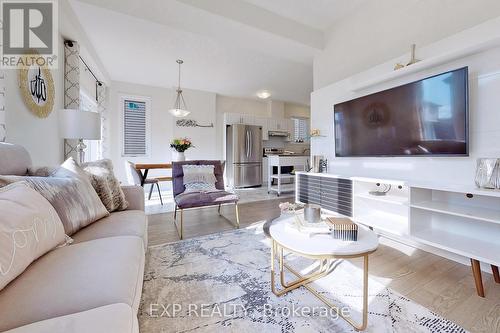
(324, 269)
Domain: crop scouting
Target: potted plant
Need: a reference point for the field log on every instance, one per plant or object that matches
(180, 145)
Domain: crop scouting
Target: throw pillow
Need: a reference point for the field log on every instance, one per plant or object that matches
(106, 185)
(199, 177)
(198, 174)
(29, 228)
(74, 200)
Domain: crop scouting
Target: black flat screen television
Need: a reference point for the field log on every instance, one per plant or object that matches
(422, 118)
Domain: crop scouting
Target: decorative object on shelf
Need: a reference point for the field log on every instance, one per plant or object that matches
(412, 61)
(180, 145)
(312, 213)
(316, 162)
(190, 123)
(79, 125)
(37, 88)
(381, 191)
(323, 165)
(180, 109)
(288, 207)
(487, 173)
(315, 133)
(343, 228)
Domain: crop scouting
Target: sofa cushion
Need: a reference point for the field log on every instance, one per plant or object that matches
(73, 279)
(118, 317)
(106, 184)
(29, 228)
(74, 199)
(126, 223)
(198, 199)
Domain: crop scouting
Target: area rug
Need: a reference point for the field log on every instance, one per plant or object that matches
(221, 283)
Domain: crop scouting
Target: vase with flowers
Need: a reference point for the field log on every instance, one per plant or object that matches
(180, 145)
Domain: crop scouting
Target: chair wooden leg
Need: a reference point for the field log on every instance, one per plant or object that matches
(237, 216)
(496, 275)
(175, 213)
(159, 193)
(151, 191)
(476, 270)
(218, 210)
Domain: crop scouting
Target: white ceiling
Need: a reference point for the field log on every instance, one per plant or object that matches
(230, 47)
(318, 14)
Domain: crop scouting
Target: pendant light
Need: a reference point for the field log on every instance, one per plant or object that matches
(179, 110)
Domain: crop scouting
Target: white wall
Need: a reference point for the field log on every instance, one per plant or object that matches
(484, 104)
(163, 128)
(383, 29)
(40, 136)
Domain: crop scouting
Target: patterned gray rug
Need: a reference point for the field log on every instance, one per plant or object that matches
(221, 283)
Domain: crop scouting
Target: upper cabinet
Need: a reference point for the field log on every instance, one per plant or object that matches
(268, 124)
(238, 118)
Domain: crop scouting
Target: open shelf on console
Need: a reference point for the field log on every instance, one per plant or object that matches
(391, 199)
(485, 251)
(450, 227)
(476, 213)
(383, 221)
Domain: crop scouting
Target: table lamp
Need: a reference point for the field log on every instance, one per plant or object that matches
(79, 125)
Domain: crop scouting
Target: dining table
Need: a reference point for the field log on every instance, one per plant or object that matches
(144, 168)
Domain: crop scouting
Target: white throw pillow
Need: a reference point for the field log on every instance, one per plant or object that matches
(29, 228)
(199, 178)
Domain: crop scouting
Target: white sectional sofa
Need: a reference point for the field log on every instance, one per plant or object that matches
(93, 285)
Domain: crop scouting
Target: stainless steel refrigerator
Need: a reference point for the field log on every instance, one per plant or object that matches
(244, 155)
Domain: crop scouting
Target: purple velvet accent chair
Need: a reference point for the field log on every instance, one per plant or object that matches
(186, 200)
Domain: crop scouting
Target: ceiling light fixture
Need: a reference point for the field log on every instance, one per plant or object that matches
(263, 94)
(180, 109)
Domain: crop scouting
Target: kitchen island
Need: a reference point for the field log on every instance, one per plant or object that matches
(298, 162)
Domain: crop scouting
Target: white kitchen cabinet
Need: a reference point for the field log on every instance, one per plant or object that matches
(239, 118)
(262, 121)
(268, 124)
(232, 118)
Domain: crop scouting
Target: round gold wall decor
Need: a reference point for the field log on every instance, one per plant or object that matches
(37, 89)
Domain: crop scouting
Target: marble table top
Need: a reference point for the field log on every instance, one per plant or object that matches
(280, 230)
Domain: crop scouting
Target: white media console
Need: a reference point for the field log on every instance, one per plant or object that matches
(458, 219)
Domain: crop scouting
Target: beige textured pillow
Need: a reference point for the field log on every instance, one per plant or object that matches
(29, 228)
(106, 185)
(74, 200)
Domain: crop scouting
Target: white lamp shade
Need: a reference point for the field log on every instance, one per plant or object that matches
(76, 124)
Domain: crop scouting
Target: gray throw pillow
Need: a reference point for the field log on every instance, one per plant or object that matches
(74, 200)
(106, 185)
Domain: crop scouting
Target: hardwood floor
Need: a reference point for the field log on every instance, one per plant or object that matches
(439, 284)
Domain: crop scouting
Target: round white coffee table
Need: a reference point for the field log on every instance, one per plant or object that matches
(323, 248)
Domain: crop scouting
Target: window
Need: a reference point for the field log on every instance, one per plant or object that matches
(93, 151)
(135, 125)
(300, 130)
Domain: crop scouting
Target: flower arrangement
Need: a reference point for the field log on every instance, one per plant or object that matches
(181, 144)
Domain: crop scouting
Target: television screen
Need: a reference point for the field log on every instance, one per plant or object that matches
(426, 117)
